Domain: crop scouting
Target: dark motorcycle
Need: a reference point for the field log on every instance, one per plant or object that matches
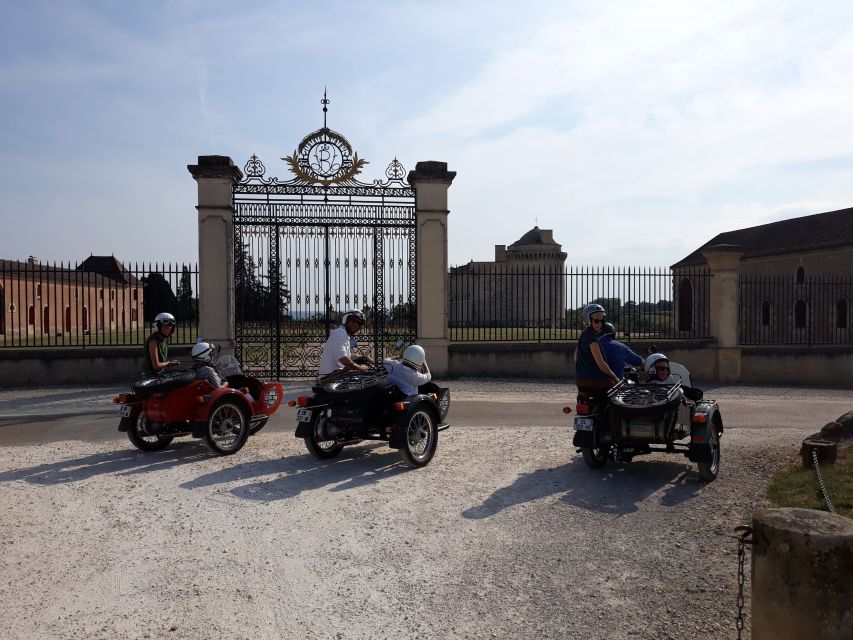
(352, 407)
(640, 416)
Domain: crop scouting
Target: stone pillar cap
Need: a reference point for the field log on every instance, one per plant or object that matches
(215, 167)
(431, 171)
(809, 523)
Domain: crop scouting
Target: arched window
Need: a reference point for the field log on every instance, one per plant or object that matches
(67, 325)
(841, 317)
(801, 275)
(685, 305)
(31, 316)
(2, 311)
(765, 313)
(112, 315)
(85, 319)
(800, 313)
(38, 291)
(45, 320)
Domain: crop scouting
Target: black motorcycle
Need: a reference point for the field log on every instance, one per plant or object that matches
(348, 408)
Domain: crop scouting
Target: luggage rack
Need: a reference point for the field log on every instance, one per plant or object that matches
(352, 381)
(643, 396)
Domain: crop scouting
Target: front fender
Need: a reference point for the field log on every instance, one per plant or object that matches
(397, 438)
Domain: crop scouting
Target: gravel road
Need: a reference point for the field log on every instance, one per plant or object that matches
(506, 534)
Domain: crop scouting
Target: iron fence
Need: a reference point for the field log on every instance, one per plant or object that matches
(99, 302)
(543, 304)
(780, 310)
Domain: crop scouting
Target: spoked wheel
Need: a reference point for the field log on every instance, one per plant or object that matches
(708, 470)
(421, 439)
(316, 445)
(227, 429)
(595, 457)
(141, 439)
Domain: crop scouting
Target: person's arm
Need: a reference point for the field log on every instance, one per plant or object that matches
(347, 363)
(154, 354)
(631, 356)
(595, 349)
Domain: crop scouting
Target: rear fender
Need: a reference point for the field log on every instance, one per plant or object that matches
(397, 439)
(211, 400)
(124, 424)
(705, 418)
(303, 429)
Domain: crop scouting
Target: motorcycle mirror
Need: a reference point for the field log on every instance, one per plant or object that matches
(399, 343)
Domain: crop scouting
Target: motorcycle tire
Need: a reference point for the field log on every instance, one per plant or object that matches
(708, 471)
(421, 438)
(595, 458)
(142, 440)
(227, 428)
(321, 449)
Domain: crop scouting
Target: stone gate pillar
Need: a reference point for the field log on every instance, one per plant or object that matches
(724, 266)
(216, 176)
(431, 180)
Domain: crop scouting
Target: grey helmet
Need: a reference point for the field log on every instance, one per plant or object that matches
(203, 352)
(352, 313)
(588, 310)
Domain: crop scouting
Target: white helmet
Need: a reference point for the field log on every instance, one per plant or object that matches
(203, 352)
(414, 356)
(164, 318)
(590, 309)
(650, 361)
(352, 313)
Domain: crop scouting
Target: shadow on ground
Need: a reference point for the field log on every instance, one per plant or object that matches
(354, 467)
(615, 490)
(122, 463)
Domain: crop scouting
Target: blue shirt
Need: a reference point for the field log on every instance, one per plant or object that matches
(585, 367)
(617, 354)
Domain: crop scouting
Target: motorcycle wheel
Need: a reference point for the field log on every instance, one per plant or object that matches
(227, 428)
(142, 440)
(321, 449)
(421, 439)
(595, 458)
(708, 470)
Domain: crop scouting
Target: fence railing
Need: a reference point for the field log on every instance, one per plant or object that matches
(99, 302)
(541, 303)
(777, 310)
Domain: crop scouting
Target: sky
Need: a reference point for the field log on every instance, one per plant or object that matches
(637, 131)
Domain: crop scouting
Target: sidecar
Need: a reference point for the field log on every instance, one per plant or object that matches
(643, 416)
(364, 406)
(175, 404)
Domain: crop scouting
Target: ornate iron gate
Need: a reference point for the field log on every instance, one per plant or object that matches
(308, 249)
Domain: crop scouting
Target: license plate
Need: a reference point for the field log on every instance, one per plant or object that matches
(583, 424)
(303, 415)
(124, 411)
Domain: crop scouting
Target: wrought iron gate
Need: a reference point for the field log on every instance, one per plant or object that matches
(308, 249)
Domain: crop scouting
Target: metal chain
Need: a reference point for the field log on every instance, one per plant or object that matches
(820, 482)
(743, 540)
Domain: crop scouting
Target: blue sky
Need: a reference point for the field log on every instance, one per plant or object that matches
(635, 130)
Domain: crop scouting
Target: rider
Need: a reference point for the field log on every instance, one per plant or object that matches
(337, 352)
(156, 354)
(592, 373)
(657, 366)
(203, 354)
(409, 371)
(616, 353)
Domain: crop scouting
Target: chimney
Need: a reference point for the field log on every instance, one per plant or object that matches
(547, 236)
(500, 253)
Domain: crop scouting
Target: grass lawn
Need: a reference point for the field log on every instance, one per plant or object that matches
(798, 487)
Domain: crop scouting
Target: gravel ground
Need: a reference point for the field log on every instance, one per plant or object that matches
(506, 534)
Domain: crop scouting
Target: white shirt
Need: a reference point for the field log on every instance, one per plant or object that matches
(404, 377)
(336, 347)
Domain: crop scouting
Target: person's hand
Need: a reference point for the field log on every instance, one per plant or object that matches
(361, 367)
(173, 363)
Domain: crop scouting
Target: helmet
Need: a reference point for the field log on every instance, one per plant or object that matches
(414, 356)
(607, 330)
(652, 359)
(352, 313)
(164, 318)
(590, 309)
(203, 352)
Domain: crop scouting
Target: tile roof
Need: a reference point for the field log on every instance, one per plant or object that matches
(807, 233)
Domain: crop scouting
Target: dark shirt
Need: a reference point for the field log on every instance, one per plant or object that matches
(585, 367)
(162, 348)
(617, 354)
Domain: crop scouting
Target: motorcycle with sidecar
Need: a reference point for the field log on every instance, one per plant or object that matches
(640, 415)
(348, 408)
(173, 404)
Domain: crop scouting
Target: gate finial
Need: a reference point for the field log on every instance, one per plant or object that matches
(324, 102)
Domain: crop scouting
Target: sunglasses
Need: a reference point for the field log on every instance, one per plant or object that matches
(599, 321)
(662, 368)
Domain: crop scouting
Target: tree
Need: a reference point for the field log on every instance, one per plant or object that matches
(158, 296)
(186, 304)
(255, 299)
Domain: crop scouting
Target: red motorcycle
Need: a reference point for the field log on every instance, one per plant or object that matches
(174, 404)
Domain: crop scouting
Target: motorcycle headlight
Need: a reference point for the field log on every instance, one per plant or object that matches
(271, 397)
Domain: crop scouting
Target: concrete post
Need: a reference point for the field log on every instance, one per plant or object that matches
(431, 180)
(216, 176)
(802, 563)
(724, 266)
